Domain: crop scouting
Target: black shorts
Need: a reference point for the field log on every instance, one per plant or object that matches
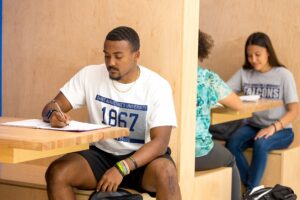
(100, 161)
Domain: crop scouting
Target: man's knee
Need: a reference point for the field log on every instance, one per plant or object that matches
(231, 161)
(227, 157)
(55, 172)
(165, 170)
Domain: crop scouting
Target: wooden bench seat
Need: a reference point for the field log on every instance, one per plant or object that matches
(12, 190)
(282, 167)
(213, 184)
(26, 181)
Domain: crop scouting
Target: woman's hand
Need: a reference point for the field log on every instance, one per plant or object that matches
(265, 132)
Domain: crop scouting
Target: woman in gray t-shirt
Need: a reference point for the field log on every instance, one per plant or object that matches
(263, 75)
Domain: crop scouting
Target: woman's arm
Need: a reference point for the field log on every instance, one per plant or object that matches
(288, 117)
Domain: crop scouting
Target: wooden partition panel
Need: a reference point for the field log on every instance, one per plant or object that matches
(231, 22)
(46, 42)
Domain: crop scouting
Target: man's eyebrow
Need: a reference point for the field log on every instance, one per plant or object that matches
(117, 52)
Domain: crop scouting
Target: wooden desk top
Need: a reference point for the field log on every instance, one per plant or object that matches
(221, 114)
(39, 143)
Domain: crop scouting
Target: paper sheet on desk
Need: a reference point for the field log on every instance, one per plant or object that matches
(38, 123)
(250, 98)
(218, 105)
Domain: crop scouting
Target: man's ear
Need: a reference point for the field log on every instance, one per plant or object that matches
(137, 54)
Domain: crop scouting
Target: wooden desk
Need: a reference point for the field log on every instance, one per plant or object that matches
(24, 144)
(220, 114)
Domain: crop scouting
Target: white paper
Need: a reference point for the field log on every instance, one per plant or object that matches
(38, 123)
(218, 105)
(250, 98)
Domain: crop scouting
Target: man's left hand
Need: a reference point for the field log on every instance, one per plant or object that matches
(110, 181)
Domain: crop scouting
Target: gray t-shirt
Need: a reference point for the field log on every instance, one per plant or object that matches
(278, 83)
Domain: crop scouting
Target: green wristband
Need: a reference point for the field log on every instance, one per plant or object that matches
(118, 168)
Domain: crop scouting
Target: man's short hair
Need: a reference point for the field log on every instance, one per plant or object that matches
(125, 33)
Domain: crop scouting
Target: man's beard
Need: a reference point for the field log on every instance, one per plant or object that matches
(111, 77)
(115, 78)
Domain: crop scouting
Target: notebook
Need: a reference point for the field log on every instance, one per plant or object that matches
(38, 123)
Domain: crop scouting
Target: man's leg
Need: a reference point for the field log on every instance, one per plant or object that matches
(69, 171)
(160, 176)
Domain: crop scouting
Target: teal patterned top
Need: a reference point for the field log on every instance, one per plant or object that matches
(210, 89)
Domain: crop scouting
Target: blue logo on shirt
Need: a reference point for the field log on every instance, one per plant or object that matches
(268, 91)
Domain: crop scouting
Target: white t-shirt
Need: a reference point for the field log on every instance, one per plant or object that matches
(147, 103)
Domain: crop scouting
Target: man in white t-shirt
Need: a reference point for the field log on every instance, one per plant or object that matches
(124, 94)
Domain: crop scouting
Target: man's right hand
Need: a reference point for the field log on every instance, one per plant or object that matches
(59, 119)
(55, 111)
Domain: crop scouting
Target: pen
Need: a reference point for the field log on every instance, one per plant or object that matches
(60, 111)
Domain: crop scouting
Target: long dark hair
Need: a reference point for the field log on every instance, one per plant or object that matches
(262, 40)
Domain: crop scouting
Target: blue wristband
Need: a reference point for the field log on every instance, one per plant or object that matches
(49, 113)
